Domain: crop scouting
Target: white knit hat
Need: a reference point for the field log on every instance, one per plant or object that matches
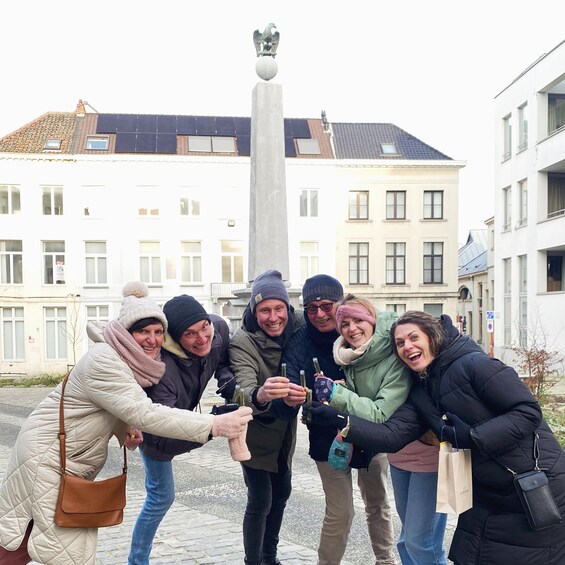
(137, 305)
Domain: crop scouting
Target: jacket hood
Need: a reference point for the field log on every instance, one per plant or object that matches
(455, 344)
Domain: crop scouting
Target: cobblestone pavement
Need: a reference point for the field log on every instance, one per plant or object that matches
(204, 524)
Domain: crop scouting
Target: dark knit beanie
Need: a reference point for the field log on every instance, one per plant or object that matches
(321, 287)
(183, 311)
(268, 285)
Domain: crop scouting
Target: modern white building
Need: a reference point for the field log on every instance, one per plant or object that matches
(530, 206)
(91, 201)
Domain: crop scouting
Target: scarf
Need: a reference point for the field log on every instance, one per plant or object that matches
(344, 355)
(146, 371)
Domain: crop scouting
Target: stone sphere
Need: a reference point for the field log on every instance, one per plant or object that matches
(266, 68)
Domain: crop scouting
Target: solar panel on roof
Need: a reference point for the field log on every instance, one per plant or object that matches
(166, 124)
(186, 125)
(167, 143)
(126, 122)
(225, 126)
(205, 125)
(242, 126)
(106, 123)
(289, 148)
(125, 142)
(244, 145)
(300, 128)
(146, 123)
(146, 143)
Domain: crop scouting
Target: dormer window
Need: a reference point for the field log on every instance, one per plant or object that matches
(389, 149)
(52, 144)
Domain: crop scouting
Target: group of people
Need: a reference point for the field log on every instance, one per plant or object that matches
(376, 391)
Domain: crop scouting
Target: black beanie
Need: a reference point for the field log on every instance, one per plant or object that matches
(181, 312)
(321, 287)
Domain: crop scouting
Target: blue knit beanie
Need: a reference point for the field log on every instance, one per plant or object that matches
(321, 287)
(268, 285)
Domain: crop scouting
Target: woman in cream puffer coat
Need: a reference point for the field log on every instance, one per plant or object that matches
(103, 392)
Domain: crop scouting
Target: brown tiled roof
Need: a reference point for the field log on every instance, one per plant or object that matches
(31, 138)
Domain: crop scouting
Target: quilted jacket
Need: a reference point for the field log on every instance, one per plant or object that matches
(100, 396)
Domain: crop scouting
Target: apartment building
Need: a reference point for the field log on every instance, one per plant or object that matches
(529, 248)
(91, 201)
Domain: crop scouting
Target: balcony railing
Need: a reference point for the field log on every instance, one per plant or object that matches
(224, 291)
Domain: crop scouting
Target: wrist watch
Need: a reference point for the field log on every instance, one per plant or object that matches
(345, 431)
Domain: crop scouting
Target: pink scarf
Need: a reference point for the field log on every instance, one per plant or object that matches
(147, 371)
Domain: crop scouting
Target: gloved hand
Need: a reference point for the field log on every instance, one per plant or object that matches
(227, 389)
(456, 432)
(340, 453)
(428, 412)
(323, 389)
(324, 415)
(232, 424)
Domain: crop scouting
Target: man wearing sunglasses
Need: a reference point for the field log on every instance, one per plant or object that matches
(315, 339)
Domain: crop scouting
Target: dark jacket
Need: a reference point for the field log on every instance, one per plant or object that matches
(185, 380)
(503, 414)
(254, 357)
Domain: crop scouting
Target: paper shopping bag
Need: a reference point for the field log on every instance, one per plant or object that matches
(455, 480)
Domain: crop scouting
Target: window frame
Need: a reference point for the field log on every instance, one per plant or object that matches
(12, 199)
(355, 205)
(150, 263)
(52, 203)
(53, 262)
(103, 140)
(395, 262)
(99, 261)
(430, 209)
(12, 322)
(188, 261)
(55, 327)
(395, 207)
(234, 259)
(431, 256)
(356, 261)
(11, 262)
(309, 205)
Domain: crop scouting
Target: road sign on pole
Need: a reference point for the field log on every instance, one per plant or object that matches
(490, 314)
(490, 326)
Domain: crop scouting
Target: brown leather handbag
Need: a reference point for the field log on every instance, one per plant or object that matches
(83, 503)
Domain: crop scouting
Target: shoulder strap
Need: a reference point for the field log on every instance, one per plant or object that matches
(62, 435)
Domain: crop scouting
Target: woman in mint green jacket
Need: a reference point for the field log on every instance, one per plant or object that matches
(376, 384)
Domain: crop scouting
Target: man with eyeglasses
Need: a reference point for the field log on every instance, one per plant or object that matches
(194, 350)
(315, 339)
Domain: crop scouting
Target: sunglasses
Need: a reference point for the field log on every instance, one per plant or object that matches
(325, 307)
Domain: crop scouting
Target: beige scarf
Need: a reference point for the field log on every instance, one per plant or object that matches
(147, 371)
(344, 355)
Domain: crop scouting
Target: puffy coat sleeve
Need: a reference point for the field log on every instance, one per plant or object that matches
(391, 436)
(517, 413)
(109, 383)
(223, 372)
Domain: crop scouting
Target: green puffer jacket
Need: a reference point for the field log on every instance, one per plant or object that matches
(377, 382)
(254, 357)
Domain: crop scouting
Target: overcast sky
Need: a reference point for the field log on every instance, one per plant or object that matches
(432, 68)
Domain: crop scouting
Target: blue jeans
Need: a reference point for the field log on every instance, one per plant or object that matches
(160, 489)
(267, 494)
(423, 529)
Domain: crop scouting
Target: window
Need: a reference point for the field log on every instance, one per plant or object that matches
(523, 289)
(96, 262)
(191, 261)
(523, 127)
(507, 208)
(97, 313)
(395, 263)
(555, 272)
(11, 261)
(52, 200)
(358, 205)
(94, 200)
(507, 137)
(55, 333)
(189, 206)
(232, 261)
(309, 203)
(52, 144)
(555, 195)
(388, 149)
(398, 308)
(396, 205)
(435, 310)
(358, 263)
(150, 262)
(556, 111)
(97, 142)
(13, 337)
(309, 259)
(507, 266)
(209, 144)
(433, 204)
(433, 263)
(9, 199)
(523, 190)
(308, 146)
(53, 262)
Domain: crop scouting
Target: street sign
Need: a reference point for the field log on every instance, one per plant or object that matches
(490, 326)
(490, 314)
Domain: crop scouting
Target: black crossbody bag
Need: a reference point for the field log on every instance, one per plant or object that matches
(534, 493)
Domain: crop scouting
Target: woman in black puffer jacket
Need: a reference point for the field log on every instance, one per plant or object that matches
(491, 412)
